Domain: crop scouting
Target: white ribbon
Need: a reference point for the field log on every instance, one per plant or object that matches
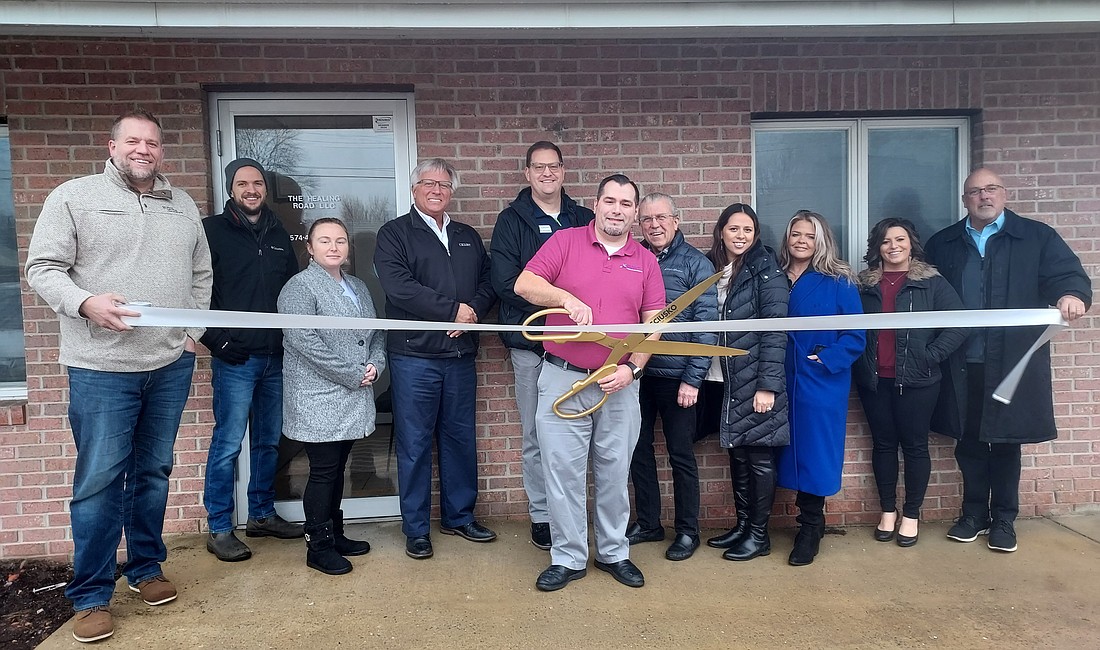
(1052, 318)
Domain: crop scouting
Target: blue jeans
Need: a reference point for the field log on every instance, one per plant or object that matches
(434, 398)
(124, 425)
(251, 394)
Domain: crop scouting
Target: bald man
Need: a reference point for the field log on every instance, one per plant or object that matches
(996, 259)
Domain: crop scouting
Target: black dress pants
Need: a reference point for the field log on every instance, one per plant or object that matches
(991, 472)
(657, 396)
(325, 486)
(900, 417)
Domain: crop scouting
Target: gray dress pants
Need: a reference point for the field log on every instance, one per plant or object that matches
(608, 436)
(527, 365)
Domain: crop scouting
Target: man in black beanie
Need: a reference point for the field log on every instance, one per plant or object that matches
(252, 259)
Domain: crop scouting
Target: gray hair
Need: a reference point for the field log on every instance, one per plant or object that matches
(433, 165)
(659, 196)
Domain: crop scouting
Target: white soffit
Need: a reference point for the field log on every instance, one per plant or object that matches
(529, 19)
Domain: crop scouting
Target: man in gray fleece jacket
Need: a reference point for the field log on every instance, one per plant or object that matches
(101, 241)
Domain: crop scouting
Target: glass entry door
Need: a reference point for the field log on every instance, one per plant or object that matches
(327, 155)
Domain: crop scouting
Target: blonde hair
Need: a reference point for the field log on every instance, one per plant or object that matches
(826, 259)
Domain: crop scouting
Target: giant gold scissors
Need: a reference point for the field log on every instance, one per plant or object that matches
(637, 342)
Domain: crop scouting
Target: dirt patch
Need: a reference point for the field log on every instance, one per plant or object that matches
(32, 601)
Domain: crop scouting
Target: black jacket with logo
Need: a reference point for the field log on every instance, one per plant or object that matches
(515, 241)
(424, 281)
(251, 265)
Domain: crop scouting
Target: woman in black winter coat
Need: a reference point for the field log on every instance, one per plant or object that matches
(751, 413)
(898, 376)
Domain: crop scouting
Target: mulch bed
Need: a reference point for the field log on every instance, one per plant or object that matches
(32, 601)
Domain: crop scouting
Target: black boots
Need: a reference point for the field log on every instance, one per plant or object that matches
(343, 545)
(811, 520)
(321, 552)
(806, 544)
(761, 470)
(739, 470)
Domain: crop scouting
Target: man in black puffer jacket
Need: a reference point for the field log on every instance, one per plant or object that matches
(252, 259)
(521, 229)
(670, 386)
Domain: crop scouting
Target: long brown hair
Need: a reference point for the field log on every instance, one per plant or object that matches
(717, 252)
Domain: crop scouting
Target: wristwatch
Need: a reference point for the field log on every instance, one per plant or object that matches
(634, 370)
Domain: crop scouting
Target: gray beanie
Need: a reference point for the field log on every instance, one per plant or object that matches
(232, 168)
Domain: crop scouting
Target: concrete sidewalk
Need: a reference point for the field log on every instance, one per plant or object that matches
(858, 594)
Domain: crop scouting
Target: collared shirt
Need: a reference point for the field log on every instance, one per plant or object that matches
(981, 237)
(441, 233)
(618, 287)
(348, 291)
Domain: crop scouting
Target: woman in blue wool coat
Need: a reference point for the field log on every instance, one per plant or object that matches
(819, 374)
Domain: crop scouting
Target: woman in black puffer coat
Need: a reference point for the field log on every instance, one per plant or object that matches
(752, 411)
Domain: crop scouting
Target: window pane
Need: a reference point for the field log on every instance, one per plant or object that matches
(914, 173)
(13, 363)
(801, 169)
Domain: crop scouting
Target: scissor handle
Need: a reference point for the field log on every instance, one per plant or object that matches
(580, 385)
(557, 338)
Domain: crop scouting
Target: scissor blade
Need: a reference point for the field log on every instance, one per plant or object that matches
(681, 348)
(630, 343)
(685, 299)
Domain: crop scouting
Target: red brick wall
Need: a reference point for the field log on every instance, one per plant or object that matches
(674, 115)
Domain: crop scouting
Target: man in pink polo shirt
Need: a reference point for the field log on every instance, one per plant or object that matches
(601, 276)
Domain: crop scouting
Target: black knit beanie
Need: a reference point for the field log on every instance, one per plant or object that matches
(232, 168)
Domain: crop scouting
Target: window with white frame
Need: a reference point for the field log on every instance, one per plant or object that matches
(13, 361)
(858, 171)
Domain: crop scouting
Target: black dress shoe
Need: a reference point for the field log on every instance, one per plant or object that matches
(682, 547)
(635, 534)
(540, 535)
(624, 571)
(419, 548)
(557, 576)
(472, 531)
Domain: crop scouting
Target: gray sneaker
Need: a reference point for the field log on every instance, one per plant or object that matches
(227, 547)
(273, 526)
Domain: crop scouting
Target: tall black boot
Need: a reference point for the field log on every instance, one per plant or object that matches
(811, 520)
(762, 494)
(321, 553)
(343, 545)
(739, 471)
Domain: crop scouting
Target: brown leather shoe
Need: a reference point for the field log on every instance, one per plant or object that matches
(93, 624)
(155, 591)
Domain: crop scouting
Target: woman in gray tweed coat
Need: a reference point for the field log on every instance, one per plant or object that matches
(328, 378)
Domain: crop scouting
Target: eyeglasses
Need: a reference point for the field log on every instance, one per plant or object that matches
(539, 168)
(659, 218)
(430, 184)
(988, 189)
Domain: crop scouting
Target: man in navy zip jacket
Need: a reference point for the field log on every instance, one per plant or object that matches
(252, 259)
(521, 229)
(434, 269)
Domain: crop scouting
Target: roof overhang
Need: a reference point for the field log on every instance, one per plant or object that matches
(539, 19)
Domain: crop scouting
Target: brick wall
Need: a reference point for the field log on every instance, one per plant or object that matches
(675, 115)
